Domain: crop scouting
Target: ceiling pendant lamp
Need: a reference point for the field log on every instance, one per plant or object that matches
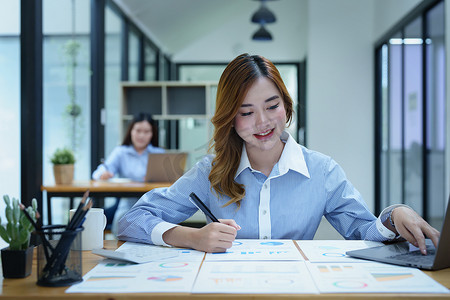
(263, 15)
(262, 34)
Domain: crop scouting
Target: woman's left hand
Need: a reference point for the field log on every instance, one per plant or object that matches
(413, 228)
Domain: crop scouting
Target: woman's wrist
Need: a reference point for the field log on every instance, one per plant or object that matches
(180, 236)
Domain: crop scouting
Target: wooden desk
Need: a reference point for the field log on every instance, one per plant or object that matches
(97, 189)
(27, 289)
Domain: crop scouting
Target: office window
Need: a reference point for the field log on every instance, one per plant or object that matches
(9, 100)
(150, 62)
(435, 118)
(411, 115)
(113, 25)
(133, 54)
(66, 88)
(165, 68)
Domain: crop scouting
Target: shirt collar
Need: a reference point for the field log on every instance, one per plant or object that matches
(130, 149)
(291, 159)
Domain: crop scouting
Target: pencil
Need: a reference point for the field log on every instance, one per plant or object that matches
(78, 211)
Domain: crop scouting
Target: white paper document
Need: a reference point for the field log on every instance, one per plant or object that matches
(244, 249)
(371, 278)
(173, 275)
(254, 277)
(333, 250)
(183, 254)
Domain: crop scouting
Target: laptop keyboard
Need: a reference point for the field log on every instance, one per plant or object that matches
(416, 257)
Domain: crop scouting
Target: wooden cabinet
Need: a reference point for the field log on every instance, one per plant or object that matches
(167, 100)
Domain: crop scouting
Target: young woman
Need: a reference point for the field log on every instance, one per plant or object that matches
(260, 183)
(129, 161)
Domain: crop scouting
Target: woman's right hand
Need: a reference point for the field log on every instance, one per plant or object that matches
(214, 237)
(106, 175)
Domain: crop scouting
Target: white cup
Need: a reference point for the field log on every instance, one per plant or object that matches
(94, 225)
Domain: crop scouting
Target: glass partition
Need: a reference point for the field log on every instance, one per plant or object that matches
(411, 115)
(9, 100)
(66, 88)
(133, 54)
(113, 25)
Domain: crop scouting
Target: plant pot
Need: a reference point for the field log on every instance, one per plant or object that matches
(63, 173)
(17, 263)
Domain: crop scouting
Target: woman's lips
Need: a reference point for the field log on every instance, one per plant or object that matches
(264, 135)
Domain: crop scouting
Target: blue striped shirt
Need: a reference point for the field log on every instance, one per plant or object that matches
(125, 162)
(303, 186)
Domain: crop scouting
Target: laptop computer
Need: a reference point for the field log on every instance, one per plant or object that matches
(405, 254)
(165, 167)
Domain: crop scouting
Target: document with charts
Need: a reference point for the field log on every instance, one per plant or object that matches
(371, 277)
(254, 277)
(175, 274)
(333, 250)
(246, 249)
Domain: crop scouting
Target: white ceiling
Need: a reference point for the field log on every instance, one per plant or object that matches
(219, 29)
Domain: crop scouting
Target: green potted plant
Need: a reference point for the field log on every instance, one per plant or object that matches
(18, 257)
(63, 165)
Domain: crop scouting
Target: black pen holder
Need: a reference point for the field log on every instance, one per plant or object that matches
(59, 256)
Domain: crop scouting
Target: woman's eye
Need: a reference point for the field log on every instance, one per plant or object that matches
(246, 114)
(274, 106)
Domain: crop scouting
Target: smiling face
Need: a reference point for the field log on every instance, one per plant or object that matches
(141, 135)
(261, 118)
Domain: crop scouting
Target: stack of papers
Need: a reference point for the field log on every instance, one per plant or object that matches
(259, 267)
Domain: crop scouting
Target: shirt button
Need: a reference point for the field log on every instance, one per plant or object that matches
(265, 237)
(264, 212)
(265, 185)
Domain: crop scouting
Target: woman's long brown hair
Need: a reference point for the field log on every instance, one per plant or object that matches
(233, 85)
(139, 118)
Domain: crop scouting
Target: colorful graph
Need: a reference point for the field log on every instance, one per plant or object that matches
(173, 265)
(185, 251)
(227, 281)
(391, 276)
(333, 268)
(272, 243)
(350, 284)
(333, 254)
(236, 243)
(168, 278)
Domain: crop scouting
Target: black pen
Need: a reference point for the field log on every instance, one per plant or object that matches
(200, 205)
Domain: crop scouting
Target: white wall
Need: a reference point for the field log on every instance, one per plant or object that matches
(340, 120)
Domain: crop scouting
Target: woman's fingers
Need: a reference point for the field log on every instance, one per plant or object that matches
(230, 222)
(413, 228)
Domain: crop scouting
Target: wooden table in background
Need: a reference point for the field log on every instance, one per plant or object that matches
(97, 189)
(27, 288)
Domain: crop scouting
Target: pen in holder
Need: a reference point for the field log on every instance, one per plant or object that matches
(59, 256)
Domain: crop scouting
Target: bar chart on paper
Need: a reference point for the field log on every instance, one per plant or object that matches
(244, 249)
